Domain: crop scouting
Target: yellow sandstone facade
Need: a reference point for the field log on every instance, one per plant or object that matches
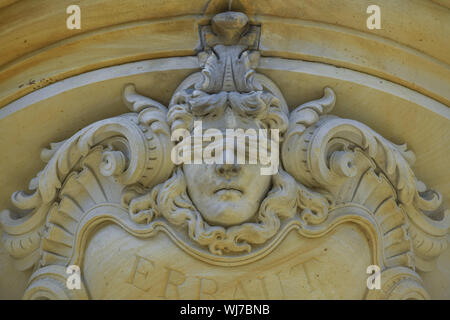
(360, 98)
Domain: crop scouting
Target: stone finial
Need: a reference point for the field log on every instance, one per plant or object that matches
(230, 28)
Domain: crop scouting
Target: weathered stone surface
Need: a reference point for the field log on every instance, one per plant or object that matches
(111, 201)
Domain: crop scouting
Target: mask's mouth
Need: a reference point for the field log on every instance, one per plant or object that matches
(228, 189)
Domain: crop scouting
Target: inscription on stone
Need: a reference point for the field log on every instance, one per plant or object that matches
(161, 281)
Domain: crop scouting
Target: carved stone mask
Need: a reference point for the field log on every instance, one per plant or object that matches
(111, 198)
(227, 194)
(228, 94)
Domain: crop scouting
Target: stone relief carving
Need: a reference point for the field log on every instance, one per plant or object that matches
(118, 171)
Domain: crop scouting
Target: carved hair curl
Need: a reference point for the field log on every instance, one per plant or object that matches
(171, 201)
(262, 106)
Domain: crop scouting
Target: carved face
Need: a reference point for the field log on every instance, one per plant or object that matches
(227, 194)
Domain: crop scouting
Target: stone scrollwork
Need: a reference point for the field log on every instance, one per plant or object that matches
(358, 165)
(332, 171)
(132, 148)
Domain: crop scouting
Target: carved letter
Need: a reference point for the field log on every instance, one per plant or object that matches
(204, 289)
(141, 267)
(240, 287)
(175, 278)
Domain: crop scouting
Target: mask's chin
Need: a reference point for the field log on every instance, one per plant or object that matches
(227, 212)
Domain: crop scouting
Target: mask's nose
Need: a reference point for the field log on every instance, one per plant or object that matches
(228, 170)
(230, 118)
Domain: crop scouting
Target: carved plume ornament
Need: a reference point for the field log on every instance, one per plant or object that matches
(119, 171)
